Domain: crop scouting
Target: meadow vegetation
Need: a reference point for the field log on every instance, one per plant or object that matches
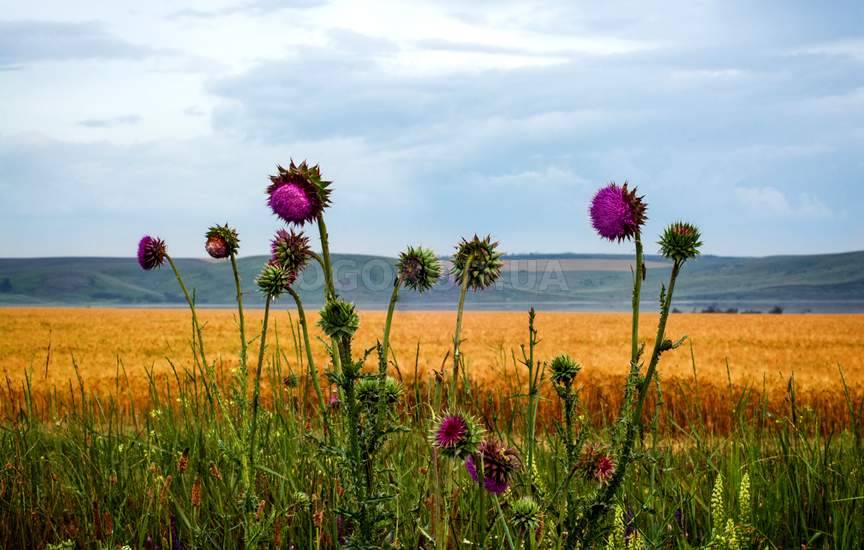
(333, 438)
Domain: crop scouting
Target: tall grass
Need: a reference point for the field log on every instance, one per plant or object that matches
(79, 466)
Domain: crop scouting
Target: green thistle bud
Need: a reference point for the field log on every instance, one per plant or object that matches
(339, 319)
(222, 241)
(418, 268)
(564, 370)
(368, 390)
(680, 241)
(290, 250)
(274, 280)
(485, 262)
(525, 514)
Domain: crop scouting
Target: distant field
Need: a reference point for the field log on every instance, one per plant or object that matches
(759, 348)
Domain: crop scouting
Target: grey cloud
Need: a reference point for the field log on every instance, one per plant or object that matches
(252, 7)
(110, 122)
(29, 41)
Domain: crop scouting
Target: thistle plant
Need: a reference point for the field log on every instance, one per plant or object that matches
(476, 265)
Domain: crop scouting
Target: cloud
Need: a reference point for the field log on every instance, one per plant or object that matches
(33, 41)
(110, 122)
(770, 201)
(251, 7)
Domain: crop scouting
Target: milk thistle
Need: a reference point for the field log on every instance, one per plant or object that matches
(477, 265)
(297, 194)
(222, 242)
(493, 465)
(290, 250)
(456, 435)
(151, 252)
(617, 213)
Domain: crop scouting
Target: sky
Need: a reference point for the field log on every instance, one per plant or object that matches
(434, 119)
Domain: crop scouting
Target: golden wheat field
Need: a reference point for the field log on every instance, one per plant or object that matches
(760, 350)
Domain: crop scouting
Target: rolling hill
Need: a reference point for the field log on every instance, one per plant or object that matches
(828, 282)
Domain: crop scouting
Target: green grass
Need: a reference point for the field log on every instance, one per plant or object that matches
(80, 467)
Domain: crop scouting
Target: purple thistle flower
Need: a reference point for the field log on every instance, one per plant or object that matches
(451, 431)
(604, 469)
(291, 203)
(617, 213)
(151, 252)
(298, 194)
(498, 464)
(495, 486)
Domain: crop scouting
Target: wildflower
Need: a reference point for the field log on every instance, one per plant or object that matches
(195, 497)
(151, 252)
(222, 241)
(485, 262)
(259, 511)
(291, 381)
(273, 280)
(418, 268)
(214, 471)
(183, 461)
(564, 370)
(604, 469)
(525, 514)
(334, 401)
(339, 319)
(497, 463)
(616, 212)
(456, 435)
(298, 194)
(290, 250)
(718, 508)
(680, 241)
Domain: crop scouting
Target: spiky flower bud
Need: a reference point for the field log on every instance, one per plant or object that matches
(274, 280)
(456, 435)
(290, 250)
(525, 514)
(493, 463)
(680, 241)
(418, 268)
(339, 319)
(368, 391)
(617, 213)
(485, 262)
(151, 252)
(222, 241)
(298, 194)
(564, 370)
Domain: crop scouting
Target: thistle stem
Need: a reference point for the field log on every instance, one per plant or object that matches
(327, 265)
(256, 395)
(244, 382)
(208, 368)
(639, 274)
(457, 337)
(313, 372)
(394, 297)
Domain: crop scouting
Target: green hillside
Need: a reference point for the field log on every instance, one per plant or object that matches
(829, 282)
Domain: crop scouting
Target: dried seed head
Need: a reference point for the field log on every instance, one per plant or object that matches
(195, 497)
(214, 471)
